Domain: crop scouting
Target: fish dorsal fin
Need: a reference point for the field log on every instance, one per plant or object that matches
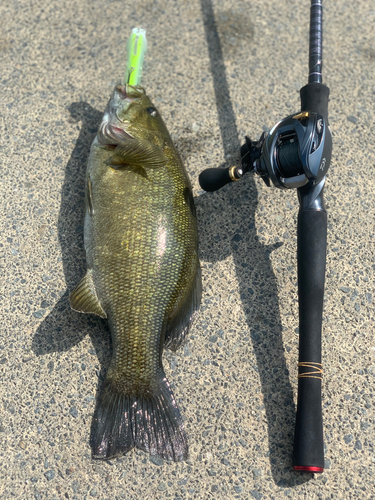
(84, 297)
(138, 152)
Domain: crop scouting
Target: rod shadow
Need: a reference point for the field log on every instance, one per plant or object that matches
(64, 328)
(235, 233)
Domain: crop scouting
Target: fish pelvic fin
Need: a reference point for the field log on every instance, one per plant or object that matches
(185, 311)
(138, 152)
(84, 297)
(149, 421)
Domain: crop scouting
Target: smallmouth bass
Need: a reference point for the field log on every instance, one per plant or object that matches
(143, 274)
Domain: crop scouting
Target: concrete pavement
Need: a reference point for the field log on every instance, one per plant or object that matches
(216, 71)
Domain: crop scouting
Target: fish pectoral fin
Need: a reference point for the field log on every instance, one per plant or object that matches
(136, 169)
(138, 152)
(185, 310)
(84, 297)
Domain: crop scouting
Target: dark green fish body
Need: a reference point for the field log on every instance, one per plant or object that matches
(143, 274)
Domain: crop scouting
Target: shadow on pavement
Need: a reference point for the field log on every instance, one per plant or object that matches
(64, 328)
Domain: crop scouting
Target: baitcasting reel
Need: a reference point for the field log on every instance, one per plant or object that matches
(295, 151)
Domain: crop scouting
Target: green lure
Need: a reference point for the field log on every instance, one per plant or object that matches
(136, 47)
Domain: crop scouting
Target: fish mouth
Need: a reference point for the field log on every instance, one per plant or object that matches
(111, 132)
(130, 92)
(121, 90)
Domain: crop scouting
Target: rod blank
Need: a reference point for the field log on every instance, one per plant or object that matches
(316, 42)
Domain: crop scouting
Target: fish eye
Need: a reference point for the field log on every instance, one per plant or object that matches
(151, 111)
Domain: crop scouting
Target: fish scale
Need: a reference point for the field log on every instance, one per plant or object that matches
(143, 274)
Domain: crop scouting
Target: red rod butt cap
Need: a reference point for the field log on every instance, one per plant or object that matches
(304, 468)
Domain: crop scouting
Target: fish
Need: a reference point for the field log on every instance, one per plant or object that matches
(143, 274)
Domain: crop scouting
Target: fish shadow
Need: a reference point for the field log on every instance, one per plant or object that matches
(64, 328)
(235, 234)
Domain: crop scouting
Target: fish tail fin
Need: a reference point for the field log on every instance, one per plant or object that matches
(149, 421)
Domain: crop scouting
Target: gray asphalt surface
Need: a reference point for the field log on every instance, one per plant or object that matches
(216, 71)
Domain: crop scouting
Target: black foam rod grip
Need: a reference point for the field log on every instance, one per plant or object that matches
(308, 452)
(213, 179)
(315, 97)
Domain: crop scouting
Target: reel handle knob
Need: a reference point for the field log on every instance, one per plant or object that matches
(213, 179)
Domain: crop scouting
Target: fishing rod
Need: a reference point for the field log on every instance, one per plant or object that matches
(296, 153)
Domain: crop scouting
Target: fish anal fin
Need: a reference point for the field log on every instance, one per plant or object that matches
(138, 152)
(84, 297)
(185, 311)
